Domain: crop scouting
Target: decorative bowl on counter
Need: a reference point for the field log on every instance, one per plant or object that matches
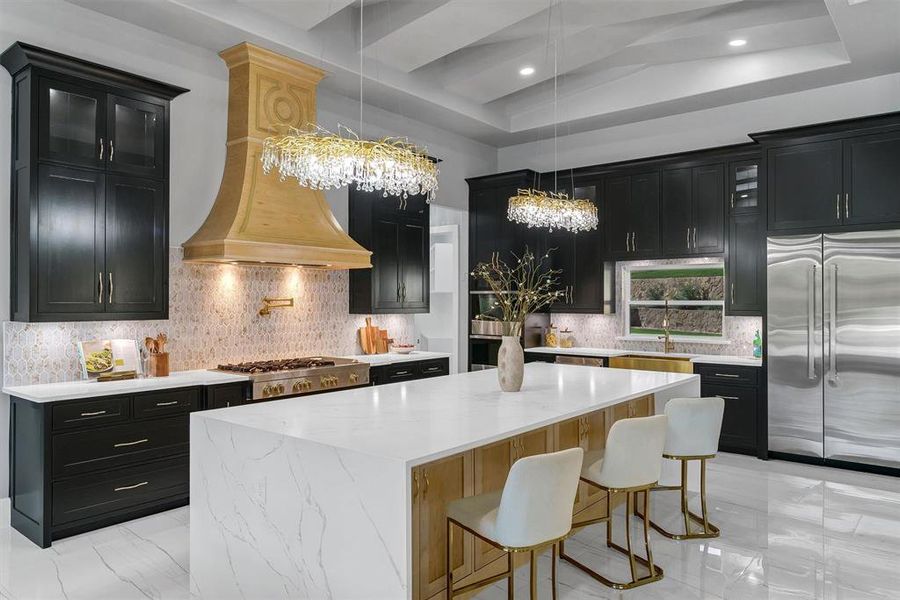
(403, 348)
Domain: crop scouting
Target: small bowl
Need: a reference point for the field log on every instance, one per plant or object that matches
(402, 349)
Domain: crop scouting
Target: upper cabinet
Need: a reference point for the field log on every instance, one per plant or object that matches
(633, 203)
(89, 190)
(743, 186)
(833, 176)
(491, 233)
(693, 211)
(397, 232)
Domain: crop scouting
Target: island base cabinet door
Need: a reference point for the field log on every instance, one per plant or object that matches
(534, 443)
(569, 434)
(439, 483)
(491, 466)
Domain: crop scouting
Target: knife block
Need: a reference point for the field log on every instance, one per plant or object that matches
(159, 364)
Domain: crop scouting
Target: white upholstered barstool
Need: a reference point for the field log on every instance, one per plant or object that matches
(534, 510)
(630, 463)
(693, 434)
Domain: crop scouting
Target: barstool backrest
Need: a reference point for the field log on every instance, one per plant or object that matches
(633, 455)
(537, 500)
(694, 426)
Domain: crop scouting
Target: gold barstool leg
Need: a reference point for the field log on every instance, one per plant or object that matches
(646, 520)
(553, 585)
(655, 572)
(448, 558)
(709, 530)
(533, 575)
(511, 588)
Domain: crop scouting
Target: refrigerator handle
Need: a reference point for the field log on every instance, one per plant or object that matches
(810, 322)
(832, 328)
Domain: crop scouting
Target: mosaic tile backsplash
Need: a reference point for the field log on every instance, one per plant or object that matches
(213, 319)
(604, 331)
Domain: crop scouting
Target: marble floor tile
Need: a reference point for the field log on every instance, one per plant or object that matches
(788, 531)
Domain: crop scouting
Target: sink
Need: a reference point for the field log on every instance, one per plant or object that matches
(669, 364)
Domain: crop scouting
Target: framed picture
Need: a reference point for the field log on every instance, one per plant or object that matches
(102, 359)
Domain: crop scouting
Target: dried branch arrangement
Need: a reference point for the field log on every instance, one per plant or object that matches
(522, 288)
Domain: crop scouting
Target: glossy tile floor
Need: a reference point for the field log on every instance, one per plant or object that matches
(789, 531)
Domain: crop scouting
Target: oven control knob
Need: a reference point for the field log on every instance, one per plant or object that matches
(354, 378)
(301, 385)
(266, 391)
(280, 388)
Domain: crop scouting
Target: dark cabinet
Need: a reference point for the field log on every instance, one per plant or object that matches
(70, 238)
(409, 370)
(136, 242)
(744, 269)
(872, 179)
(398, 234)
(633, 203)
(89, 190)
(804, 185)
(743, 186)
(841, 175)
(491, 233)
(738, 386)
(136, 137)
(693, 211)
(580, 258)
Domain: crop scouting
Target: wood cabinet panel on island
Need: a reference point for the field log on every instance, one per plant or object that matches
(484, 470)
(90, 211)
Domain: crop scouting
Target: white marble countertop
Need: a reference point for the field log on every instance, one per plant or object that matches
(719, 359)
(420, 421)
(391, 358)
(71, 390)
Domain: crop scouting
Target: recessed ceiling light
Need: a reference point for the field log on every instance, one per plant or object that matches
(526, 71)
(737, 43)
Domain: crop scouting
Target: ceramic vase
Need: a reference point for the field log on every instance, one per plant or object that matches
(511, 360)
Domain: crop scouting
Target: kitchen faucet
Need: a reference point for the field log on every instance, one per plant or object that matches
(668, 344)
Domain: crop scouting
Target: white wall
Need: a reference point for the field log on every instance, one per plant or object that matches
(198, 124)
(708, 128)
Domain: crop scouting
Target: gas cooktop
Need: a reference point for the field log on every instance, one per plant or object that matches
(285, 377)
(281, 364)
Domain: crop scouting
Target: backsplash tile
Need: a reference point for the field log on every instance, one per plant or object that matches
(212, 319)
(603, 331)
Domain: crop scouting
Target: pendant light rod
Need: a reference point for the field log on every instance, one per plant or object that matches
(362, 6)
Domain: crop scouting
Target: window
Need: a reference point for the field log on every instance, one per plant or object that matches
(696, 296)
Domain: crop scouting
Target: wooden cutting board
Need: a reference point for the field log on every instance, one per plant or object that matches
(368, 337)
(382, 341)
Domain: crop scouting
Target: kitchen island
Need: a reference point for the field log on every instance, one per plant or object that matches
(342, 495)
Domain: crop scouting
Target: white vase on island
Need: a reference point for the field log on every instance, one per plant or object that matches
(511, 359)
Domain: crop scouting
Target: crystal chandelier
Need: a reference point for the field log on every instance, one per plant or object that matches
(553, 210)
(320, 159)
(536, 208)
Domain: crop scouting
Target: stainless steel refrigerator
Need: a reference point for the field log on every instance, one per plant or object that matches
(834, 346)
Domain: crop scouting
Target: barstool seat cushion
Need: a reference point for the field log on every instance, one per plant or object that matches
(632, 455)
(478, 513)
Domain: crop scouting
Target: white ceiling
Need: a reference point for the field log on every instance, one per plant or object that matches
(455, 63)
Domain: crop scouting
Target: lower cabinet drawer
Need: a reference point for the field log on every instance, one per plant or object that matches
(86, 497)
(739, 423)
(434, 368)
(117, 445)
(85, 413)
(164, 404)
(401, 372)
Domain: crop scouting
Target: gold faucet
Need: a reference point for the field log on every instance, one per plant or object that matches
(668, 344)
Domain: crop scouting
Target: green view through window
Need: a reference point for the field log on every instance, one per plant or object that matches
(696, 296)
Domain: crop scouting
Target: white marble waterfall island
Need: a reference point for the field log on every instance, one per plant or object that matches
(336, 495)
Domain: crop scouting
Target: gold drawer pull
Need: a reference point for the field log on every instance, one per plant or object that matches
(93, 414)
(134, 443)
(172, 403)
(727, 375)
(130, 487)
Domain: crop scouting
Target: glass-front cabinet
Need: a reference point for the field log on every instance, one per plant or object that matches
(743, 193)
(89, 127)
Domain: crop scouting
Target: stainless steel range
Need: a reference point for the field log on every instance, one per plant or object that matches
(297, 376)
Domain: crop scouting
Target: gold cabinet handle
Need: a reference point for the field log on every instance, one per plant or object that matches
(415, 484)
(130, 487)
(110, 287)
(134, 443)
(100, 293)
(427, 483)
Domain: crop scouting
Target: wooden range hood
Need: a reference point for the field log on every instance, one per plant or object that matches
(257, 218)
